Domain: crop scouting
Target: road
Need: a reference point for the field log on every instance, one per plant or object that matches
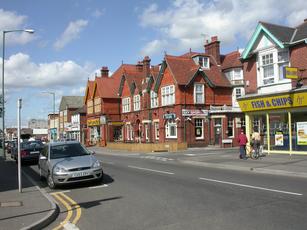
(142, 192)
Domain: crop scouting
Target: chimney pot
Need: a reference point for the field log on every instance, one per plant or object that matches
(305, 20)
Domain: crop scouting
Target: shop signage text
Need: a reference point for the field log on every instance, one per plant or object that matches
(93, 122)
(169, 116)
(290, 72)
(274, 102)
(194, 112)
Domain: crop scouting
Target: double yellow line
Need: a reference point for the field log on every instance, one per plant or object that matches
(70, 206)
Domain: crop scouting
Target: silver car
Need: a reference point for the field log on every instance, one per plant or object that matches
(68, 162)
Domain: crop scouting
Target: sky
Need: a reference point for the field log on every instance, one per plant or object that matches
(73, 39)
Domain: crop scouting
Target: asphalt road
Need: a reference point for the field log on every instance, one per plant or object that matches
(160, 193)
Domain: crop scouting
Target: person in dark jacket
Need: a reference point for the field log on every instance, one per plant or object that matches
(242, 139)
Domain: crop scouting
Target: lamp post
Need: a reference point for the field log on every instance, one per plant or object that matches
(53, 94)
(3, 56)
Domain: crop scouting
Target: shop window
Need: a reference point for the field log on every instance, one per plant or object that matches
(279, 132)
(168, 95)
(230, 127)
(156, 130)
(171, 129)
(136, 102)
(299, 131)
(199, 93)
(199, 128)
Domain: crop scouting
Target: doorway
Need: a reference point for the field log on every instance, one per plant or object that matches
(217, 130)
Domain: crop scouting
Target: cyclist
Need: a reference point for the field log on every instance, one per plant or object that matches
(256, 142)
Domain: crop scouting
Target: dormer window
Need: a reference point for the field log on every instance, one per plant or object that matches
(202, 61)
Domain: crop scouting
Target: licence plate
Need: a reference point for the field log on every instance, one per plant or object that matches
(34, 152)
(80, 174)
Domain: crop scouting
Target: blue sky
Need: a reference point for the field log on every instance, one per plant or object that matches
(74, 38)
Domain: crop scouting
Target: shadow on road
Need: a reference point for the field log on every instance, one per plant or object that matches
(94, 203)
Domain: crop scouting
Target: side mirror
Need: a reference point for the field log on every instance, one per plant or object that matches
(43, 158)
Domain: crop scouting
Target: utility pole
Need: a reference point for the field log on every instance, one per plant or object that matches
(18, 143)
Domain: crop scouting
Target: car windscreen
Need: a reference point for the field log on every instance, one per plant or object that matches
(67, 150)
(31, 145)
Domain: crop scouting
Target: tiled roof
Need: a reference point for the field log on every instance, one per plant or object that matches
(89, 89)
(71, 102)
(301, 32)
(231, 60)
(184, 68)
(282, 33)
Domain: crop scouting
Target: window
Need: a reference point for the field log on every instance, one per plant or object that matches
(126, 104)
(156, 130)
(239, 92)
(97, 105)
(129, 132)
(146, 132)
(203, 62)
(268, 68)
(153, 99)
(90, 108)
(168, 95)
(283, 60)
(199, 129)
(136, 102)
(230, 128)
(171, 129)
(199, 94)
(237, 74)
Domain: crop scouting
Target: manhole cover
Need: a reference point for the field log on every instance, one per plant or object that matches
(11, 204)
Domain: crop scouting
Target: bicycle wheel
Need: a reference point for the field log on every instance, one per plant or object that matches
(254, 154)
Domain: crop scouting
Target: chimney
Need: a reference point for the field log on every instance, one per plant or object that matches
(213, 48)
(139, 66)
(104, 71)
(305, 20)
(146, 64)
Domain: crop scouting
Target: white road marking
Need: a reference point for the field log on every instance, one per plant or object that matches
(151, 170)
(250, 186)
(65, 191)
(99, 186)
(190, 154)
(70, 226)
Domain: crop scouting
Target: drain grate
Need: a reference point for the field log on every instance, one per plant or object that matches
(11, 204)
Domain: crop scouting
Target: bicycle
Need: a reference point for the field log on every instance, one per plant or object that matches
(254, 153)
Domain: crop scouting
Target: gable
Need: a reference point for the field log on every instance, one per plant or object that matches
(264, 42)
(258, 33)
(94, 90)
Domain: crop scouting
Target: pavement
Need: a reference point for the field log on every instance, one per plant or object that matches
(274, 164)
(33, 208)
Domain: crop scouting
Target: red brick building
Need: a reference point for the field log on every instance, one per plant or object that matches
(187, 98)
(103, 108)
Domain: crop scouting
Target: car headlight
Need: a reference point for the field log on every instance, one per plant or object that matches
(96, 164)
(59, 169)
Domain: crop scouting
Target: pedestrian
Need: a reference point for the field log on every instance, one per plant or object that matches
(242, 139)
(256, 140)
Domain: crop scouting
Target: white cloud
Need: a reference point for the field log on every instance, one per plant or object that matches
(21, 72)
(71, 32)
(10, 20)
(78, 91)
(184, 21)
(98, 13)
(154, 47)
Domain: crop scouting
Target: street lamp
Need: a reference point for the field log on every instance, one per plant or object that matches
(53, 94)
(3, 57)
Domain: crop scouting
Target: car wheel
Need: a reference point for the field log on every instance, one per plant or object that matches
(50, 181)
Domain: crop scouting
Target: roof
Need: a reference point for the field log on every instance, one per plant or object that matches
(231, 60)
(282, 36)
(71, 102)
(80, 110)
(107, 87)
(184, 69)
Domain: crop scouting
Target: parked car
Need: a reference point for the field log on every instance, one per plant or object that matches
(29, 151)
(68, 162)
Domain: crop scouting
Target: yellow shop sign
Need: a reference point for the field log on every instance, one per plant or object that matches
(93, 122)
(283, 101)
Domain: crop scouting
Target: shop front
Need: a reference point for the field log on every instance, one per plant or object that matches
(280, 119)
(93, 125)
